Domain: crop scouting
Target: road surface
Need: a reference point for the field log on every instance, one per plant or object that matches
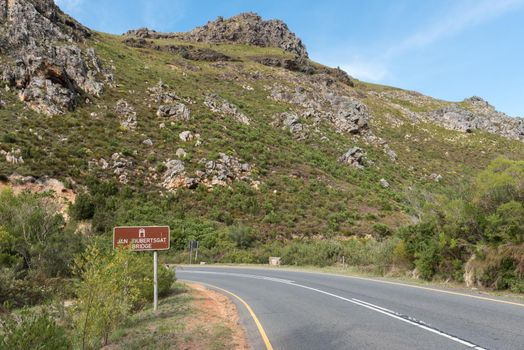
(303, 310)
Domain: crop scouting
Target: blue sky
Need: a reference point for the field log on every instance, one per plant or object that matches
(449, 49)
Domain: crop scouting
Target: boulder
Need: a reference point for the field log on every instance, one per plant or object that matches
(354, 157)
(223, 170)
(289, 121)
(127, 114)
(160, 93)
(186, 136)
(181, 153)
(221, 106)
(177, 112)
(350, 115)
(14, 156)
(435, 177)
(174, 175)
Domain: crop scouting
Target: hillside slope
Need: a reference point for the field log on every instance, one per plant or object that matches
(236, 128)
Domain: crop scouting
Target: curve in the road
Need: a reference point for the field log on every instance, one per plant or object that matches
(300, 320)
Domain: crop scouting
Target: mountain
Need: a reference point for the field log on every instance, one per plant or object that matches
(228, 125)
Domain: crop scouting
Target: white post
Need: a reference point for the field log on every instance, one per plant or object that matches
(190, 252)
(196, 255)
(155, 280)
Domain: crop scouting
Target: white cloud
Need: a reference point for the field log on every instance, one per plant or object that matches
(366, 70)
(466, 14)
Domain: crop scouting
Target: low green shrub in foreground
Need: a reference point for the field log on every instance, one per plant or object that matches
(113, 285)
(32, 330)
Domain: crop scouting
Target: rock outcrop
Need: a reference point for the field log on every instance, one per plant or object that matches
(14, 156)
(120, 165)
(45, 61)
(245, 28)
(225, 108)
(291, 122)
(176, 112)
(188, 52)
(127, 114)
(479, 115)
(346, 114)
(303, 65)
(220, 172)
(354, 157)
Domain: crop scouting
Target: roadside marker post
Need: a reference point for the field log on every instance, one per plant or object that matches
(193, 245)
(144, 238)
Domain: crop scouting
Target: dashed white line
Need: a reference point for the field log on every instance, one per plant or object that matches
(367, 305)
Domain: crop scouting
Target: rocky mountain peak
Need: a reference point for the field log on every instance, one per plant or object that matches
(39, 20)
(245, 28)
(45, 61)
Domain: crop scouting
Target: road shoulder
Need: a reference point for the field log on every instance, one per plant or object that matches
(194, 317)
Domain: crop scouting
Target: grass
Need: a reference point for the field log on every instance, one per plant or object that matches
(177, 324)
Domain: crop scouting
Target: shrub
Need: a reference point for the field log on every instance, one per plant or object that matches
(242, 236)
(497, 267)
(32, 330)
(506, 224)
(83, 208)
(166, 278)
(238, 256)
(319, 253)
(35, 247)
(113, 284)
(381, 230)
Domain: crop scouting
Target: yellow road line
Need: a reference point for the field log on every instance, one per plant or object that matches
(261, 330)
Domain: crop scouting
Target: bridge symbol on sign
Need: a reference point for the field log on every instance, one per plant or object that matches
(142, 233)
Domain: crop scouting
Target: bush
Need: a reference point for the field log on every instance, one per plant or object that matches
(32, 330)
(497, 267)
(35, 247)
(237, 256)
(319, 253)
(381, 230)
(242, 236)
(166, 278)
(113, 284)
(83, 208)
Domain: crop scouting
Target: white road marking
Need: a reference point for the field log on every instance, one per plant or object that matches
(373, 307)
(395, 315)
(259, 277)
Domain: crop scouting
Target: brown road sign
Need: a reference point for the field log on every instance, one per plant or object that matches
(141, 238)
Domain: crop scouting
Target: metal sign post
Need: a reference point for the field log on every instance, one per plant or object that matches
(155, 280)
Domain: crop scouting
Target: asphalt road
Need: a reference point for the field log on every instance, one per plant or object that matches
(302, 310)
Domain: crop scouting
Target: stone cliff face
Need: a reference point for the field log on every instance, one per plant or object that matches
(44, 58)
(479, 115)
(245, 28)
